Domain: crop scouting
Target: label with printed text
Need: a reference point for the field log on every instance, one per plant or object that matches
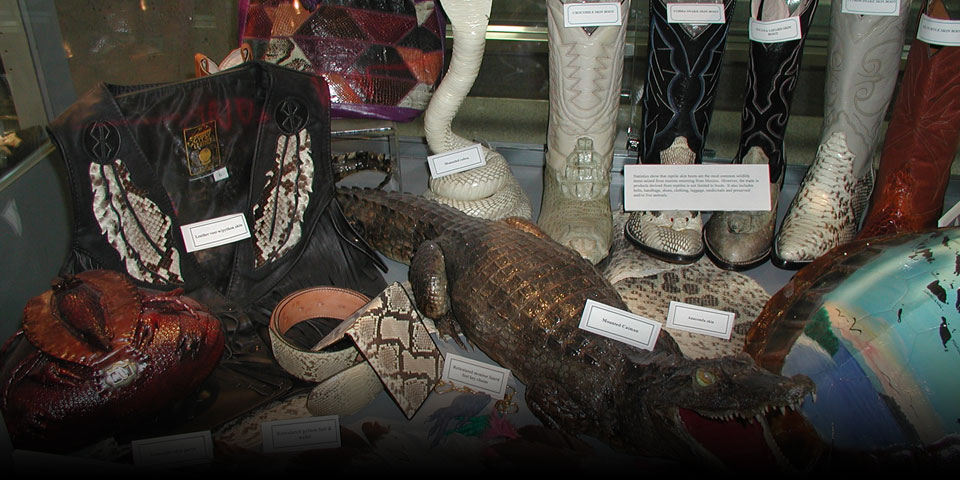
(702, 320)
(455, 161)
(939, 32)
(775, 31)
(215, 232)
(475, 375)
(882, 8)
(301, 434)
(696, 13)
(619, 325)
(701, 187)
(594, 14)
(174, 450)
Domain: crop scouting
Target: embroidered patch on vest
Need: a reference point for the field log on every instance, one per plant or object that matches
(135, 226)
(278, 215)
(202, 149)
(102, 141)
(291, 116)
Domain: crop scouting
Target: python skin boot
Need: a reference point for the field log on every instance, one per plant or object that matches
(684, 66)
(586, 67)
(921, 140)
(743, 240)
(864, 59)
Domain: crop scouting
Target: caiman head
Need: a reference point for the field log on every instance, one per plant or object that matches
(717, 408)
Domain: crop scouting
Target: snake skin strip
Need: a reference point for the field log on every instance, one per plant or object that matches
(278, 216)
(143, 240)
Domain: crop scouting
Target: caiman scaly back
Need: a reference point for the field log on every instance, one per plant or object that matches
(518, 296)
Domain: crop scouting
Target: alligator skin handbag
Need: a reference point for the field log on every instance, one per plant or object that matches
(381, 59)
(222, 186)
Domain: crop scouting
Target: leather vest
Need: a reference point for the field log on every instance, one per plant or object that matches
(155, 169)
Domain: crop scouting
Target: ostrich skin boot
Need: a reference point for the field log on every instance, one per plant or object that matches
(864, 59)
(586, 67)
(743, 240)
(921, 141)
(681, 85)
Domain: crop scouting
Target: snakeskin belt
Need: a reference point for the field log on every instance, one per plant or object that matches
(391, 347)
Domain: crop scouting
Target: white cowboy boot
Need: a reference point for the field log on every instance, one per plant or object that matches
(586, 67)
(490, 191)
(861, 75)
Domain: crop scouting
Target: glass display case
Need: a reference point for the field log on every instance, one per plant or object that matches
(52, 51)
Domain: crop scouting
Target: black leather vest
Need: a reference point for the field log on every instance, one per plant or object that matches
(251, 146)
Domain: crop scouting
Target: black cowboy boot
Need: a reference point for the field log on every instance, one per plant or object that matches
(743, 240)
(684, 66)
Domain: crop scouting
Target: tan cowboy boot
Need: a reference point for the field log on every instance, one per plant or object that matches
(861, 75)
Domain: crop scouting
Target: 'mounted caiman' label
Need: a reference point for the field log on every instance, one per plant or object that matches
(619, 325)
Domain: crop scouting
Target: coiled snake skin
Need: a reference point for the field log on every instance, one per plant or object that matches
(490, 191)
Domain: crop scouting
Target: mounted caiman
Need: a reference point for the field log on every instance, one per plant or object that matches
(518, 296)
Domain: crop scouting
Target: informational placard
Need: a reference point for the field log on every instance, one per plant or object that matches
(173, 450)
(939, 32)
(884, 8)
(775, 31)
(455, 161)
(475, 375)
(299, 434)
(594, 14)
(704, 187)
(702, 320)
(221, 174)
(215, 232)
(696, 13)
(619, 325)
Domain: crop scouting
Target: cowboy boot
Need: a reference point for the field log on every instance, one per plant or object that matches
(743, 240)
(921, 140)
(864, 59)
(684, 66)
(586, 66)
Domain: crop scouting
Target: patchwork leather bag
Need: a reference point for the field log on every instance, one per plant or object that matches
(381, 59)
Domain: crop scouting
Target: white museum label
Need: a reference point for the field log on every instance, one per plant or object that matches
(882, 8)
(597, 14)
(220, 174)
(173, 450)
(215, 232)
(775, 31)
(619, 325)
(475, 375)
(949, 219)
(726, 187)
(455, 161)
(300, 434)
(939, 32)
(696, 13)
(702, 320)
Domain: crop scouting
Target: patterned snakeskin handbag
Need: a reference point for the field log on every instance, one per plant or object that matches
(381, 59)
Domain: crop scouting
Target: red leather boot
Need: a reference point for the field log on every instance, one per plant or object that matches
(921, 140)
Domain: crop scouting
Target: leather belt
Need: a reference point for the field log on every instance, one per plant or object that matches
(391, 347)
